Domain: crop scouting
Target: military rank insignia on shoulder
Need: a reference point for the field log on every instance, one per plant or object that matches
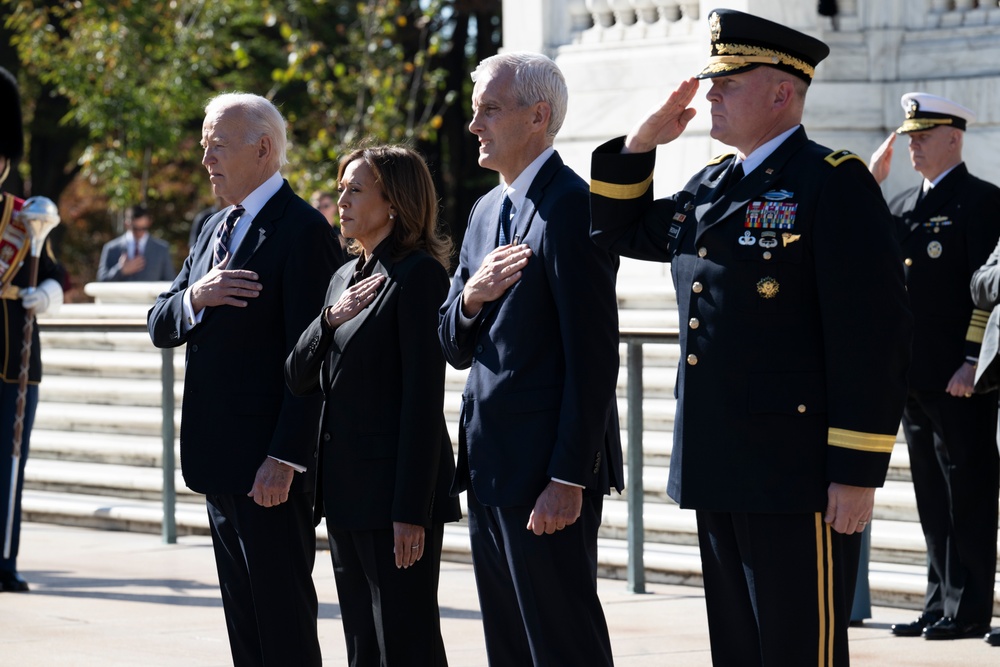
(719, 158)
(837, 158)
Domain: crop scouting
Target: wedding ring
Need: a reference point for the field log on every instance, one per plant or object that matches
(415, 547)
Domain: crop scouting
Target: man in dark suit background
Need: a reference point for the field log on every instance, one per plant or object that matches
(136, 255)
(794, 345)
(947, 226)
(532, 313)
(240, 301)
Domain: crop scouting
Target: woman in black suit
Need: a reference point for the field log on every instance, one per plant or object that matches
(386, 457)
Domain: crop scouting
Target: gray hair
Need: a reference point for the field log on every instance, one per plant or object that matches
(536, 79)
(260, 118)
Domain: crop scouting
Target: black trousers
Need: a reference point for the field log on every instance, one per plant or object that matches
(538, 594)
(390, 615)
(956, 478)
(265, 558)
(778, 588)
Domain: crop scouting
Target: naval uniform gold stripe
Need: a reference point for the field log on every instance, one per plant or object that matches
(616, 191)
(863, 442)
(977, 326)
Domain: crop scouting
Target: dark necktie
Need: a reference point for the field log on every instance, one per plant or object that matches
(732, 177)
(225, 234)
(503, 238)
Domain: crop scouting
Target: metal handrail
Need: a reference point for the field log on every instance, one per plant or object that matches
(126, 325)
(634, 340)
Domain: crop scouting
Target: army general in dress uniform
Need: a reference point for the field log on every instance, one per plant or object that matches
(947, 226)
(794, 344)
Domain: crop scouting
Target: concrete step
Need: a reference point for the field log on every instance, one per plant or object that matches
(113, 448)
(101, 479)
(145, 392)
(117, 419)
(107, 363)
(97, 341)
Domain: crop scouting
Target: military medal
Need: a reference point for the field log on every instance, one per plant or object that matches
(934, 249)
(768, 287)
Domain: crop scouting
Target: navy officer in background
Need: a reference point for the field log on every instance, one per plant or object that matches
(795, 346)
(947, 226)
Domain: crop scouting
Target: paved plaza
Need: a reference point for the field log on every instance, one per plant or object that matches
(116, 599)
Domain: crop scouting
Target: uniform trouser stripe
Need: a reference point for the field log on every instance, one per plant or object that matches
(824, 592)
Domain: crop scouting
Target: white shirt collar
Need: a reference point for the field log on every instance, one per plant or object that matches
(518, 190)
(252, 205)
(762, 152)
(930, 184)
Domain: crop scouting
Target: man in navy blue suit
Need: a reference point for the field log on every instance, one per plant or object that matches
(250, 286)
(532, 313)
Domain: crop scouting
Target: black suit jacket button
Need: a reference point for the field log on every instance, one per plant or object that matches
(479, 349)
(326, 437)
(194, 348)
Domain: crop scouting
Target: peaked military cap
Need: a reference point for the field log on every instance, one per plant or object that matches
(11, 131)
(925, 111)
(741, 42)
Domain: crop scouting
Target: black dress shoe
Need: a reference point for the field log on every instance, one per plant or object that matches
(949, 628)
(993, 638)
(914, 629)
(12, 582)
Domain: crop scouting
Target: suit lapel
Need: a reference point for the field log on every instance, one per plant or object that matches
(346, 331)
(261, 227)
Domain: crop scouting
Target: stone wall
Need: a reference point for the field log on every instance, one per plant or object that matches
(621, 57)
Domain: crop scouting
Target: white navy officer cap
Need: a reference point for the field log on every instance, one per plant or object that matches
(925, 111)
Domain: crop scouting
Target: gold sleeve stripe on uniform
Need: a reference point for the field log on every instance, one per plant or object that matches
(616, 191)
(977, 326)
(863, 442)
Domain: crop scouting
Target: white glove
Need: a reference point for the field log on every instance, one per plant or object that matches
(47, 296)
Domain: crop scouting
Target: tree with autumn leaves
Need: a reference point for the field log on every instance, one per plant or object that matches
(114, 93)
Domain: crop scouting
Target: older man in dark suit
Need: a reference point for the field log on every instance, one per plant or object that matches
(240, 301)
(136, 255)
(532, 313)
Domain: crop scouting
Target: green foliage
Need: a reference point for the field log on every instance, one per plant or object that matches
(131, 78)
(137, 75)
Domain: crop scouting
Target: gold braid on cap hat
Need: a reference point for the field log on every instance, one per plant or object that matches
(743, 54)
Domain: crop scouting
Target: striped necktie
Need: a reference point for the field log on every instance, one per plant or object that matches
(225, 234)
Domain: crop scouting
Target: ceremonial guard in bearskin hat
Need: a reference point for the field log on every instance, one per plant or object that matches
(16, 304)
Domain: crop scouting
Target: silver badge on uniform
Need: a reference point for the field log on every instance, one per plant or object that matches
(768, 240)
(747, 239)
(934, 249)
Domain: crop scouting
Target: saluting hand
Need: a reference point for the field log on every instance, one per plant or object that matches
(665, 123)
(881, 160)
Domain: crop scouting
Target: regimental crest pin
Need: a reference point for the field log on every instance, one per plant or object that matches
(768, 287)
